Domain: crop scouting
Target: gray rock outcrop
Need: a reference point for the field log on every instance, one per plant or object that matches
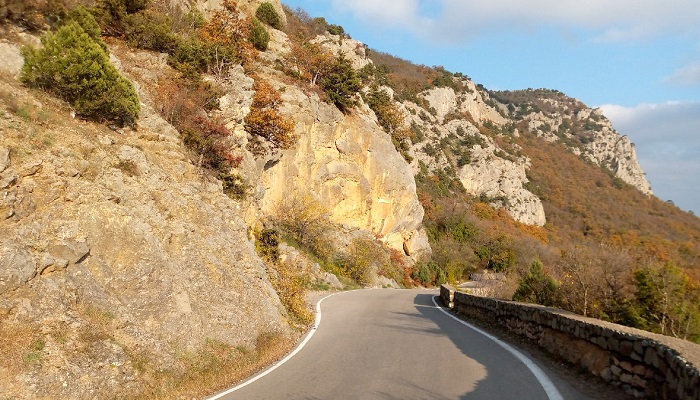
(351, 49)
(487, 172)
(117, 242)
(595, 138)
(502, 180)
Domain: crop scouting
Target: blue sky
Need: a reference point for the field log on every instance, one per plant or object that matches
(638, 60)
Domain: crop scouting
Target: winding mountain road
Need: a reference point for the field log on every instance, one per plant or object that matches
(397, 344)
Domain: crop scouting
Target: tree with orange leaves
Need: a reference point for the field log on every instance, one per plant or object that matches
(264, 118)
(227, 29)
(311, 61)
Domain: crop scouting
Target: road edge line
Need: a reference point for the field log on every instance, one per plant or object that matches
(548, 386)
(288, 357)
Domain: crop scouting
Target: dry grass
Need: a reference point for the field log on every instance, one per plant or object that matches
(21, 347)
(128, 167)
(215, 367)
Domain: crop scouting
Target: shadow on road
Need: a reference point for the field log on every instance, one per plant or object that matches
(506, 376)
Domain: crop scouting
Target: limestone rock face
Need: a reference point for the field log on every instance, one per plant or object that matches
(617, 153)
(116, 244)
(586, 132)
(350, 166)
(10, 58)
(449, 132)
(352, 49)
(446, 101)
(246, 6)
(500, 178)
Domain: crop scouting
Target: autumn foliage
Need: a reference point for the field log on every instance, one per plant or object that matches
(227, 29)
(288, 279)
(265, 120)
(181, 103)
(309, 61)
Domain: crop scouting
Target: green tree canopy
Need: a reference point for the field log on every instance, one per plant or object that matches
(536, 287)
(342, 84)
(87, 21)
(73, 65)
(266, 13)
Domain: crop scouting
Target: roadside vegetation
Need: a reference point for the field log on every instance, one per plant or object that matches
(304, 223)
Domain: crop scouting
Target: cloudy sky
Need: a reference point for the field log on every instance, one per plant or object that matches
(638, 60)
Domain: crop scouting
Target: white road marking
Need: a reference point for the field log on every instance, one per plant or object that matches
(289, 356)
(545, 382)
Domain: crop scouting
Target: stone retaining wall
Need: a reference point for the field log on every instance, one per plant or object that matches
(645, 365)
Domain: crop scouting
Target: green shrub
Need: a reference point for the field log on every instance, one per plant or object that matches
(304, 220)
(266, 13)
(267, 244)
(363, 257)
(207, 139)
(537, 286)
(430, 274)
(342, 84)
(234, 186)
(421, 273)
(87, 21)
(336, 30)
(259, 35)
(287, 278)
(74, 66)
(151, 31)
(389, 115)
(115, 12)
(497, 254)
(464, 158)
(193, 57)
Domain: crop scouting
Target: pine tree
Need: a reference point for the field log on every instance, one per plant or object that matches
(266, 13)
(74, 66)
(342, 84)
(537, 287)
(259, 35)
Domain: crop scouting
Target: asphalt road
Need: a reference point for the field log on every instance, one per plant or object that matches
(396, 344)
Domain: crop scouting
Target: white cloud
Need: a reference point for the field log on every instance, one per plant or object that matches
(402, 14)
(667, 139)
(688, 75)
(605, 20)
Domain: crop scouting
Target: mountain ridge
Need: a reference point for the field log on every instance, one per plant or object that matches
(144, 240)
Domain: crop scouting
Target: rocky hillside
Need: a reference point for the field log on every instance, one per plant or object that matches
(126, 268)
(553, 116)
(136, 260)
(117, 254)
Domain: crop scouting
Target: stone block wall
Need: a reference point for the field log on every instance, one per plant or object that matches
(645, 365)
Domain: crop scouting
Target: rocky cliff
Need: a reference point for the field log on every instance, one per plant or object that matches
(121, 260)
(556, 117)
(345, 162)
(350, 166)
(120, 257)
(457, 130)
(452, 139)
(117, 254)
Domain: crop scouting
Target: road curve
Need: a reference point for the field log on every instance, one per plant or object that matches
(396, 344)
